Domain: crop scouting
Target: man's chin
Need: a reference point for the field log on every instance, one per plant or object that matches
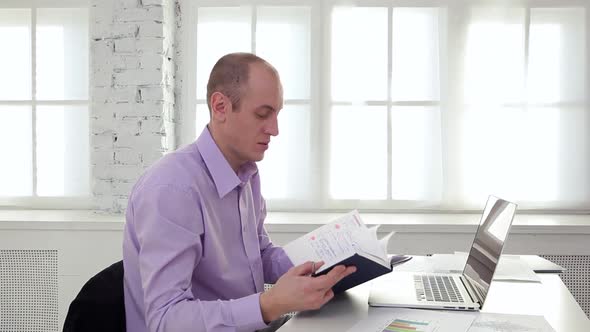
(258, 157)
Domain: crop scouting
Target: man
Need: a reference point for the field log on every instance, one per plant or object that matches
(195, 250)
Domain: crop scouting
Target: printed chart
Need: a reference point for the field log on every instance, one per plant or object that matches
(411, 320)
(407, 325)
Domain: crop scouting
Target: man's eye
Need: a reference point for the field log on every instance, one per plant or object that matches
(261, 116)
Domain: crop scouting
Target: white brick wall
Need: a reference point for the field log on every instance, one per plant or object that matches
(183, 69)
(132, 87)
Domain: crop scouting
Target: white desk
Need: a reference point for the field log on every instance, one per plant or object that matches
(549, 298)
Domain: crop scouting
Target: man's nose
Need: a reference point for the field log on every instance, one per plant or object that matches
(273, 126)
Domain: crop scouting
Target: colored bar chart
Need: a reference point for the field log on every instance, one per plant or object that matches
(404, 325)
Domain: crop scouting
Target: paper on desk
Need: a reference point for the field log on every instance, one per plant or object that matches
(514, 269)
(485, 322)
(511, 268)
(539, 264)
(399, 319)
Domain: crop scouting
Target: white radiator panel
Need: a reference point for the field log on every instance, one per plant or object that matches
(28, 291)
(576, 278)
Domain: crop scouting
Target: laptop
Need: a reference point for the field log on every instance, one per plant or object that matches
(466, 291)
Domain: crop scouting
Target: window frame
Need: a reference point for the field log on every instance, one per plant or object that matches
(321, 101)
(188, 123)
(35, 201)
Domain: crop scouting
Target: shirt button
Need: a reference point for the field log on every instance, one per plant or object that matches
(243, 228)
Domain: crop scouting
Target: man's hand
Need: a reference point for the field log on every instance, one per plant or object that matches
(297, 291)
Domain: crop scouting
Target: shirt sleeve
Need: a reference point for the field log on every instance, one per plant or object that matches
(169, 226)
(275, 261)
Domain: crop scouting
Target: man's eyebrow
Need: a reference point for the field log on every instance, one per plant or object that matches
(267, 108)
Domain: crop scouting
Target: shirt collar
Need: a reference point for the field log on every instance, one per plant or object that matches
(224, 177)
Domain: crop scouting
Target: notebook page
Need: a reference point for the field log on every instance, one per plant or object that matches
(330, 243)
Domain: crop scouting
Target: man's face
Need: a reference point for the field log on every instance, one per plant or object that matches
(249, 128)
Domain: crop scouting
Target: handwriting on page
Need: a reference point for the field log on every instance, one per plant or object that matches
(332, 246)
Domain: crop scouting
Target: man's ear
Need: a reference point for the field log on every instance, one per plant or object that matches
(220, 106)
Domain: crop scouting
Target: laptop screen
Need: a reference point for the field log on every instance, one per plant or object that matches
(488, 243)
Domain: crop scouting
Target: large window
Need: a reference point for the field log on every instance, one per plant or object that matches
(43, 102)
(407, 105)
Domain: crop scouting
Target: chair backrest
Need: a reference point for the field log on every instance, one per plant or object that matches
(100, 304)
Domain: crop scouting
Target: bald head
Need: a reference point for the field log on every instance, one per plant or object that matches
(230, 76)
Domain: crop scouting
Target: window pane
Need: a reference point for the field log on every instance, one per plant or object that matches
(416, 153)
(15, 59)
(494, 60)
(202, 118)
(557, 55)
(220, 31)
(359, 64)
(62, 53)
(358, 153)
(574, 155)
(285, 171)
(498, 158)
(415, 54)
(16, 170)
(283, 39)
(62, 151)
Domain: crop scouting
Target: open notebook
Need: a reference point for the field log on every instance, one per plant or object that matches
(347, 241)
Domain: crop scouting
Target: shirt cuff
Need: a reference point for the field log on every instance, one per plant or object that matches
(284, 262)
(246, 313)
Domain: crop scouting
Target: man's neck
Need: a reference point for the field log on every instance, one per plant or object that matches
(225, 151)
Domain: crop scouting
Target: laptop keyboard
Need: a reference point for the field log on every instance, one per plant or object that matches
(434, 288)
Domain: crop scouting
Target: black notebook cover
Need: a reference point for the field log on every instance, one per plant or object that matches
(366, 270)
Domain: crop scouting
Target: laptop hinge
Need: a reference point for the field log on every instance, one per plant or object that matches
(471, 290)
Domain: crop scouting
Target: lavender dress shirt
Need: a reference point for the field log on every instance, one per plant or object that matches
(195, 251)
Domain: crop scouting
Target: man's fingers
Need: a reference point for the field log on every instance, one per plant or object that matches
(302, 269)
(334, 276)
(305, 268)
(329, 295)
(340, 272)
(349, 270)
(318, 265)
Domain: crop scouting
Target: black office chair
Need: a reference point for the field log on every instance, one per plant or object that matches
(100, 305)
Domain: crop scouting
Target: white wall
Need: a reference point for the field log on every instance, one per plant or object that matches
(87, 242)
(132, 85)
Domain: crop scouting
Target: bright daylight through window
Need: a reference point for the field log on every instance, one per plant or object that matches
(44, 102)
(440, 107)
